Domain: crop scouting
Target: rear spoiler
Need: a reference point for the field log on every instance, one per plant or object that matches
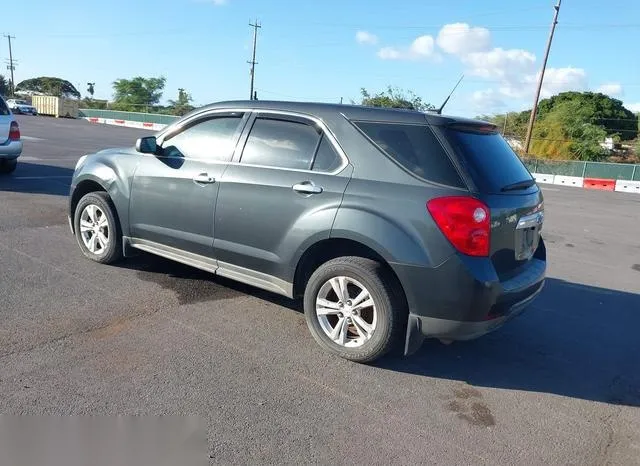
(474, 127)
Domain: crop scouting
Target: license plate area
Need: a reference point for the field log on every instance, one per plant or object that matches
(527, 236)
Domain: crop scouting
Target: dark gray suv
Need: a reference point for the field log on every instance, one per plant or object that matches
(392, 225)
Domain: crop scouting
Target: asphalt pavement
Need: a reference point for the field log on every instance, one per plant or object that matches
(560, 384)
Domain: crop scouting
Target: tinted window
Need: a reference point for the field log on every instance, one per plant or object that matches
(281, 143)
(327, 159)
(210, 139)
(416, 148)
(4, 110)
(489, 158)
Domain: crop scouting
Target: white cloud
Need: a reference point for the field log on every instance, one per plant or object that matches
(422, 47)
(635, 108)
(366, 38)
(558, 80)
(610, 89)
(500, 63)
(461, 39)
(487, 99)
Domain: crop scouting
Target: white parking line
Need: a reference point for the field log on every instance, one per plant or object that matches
(30, 138)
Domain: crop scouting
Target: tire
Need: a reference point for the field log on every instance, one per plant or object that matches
(389, 308)
(8, 166)
(112, 250)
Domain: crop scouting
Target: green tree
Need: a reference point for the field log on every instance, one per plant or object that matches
(137, 94)
(565, 133)
(598, 109)
(50, 86)
(513, 124)
(394, 98)
(4, 85)
(182, 105)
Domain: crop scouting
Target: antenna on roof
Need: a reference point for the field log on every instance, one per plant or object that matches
(439, 110)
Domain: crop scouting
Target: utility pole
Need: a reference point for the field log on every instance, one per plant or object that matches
(253, 61)
(534, 110)
(11, 66)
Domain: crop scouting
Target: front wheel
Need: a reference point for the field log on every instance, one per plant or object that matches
(354, 308)
(8, 166)
(97, 229)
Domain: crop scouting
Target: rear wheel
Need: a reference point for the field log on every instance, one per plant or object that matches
(353, 308)
(97, 229)
(8, 166)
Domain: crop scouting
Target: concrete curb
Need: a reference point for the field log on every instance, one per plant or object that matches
(623, 186)
(127, 123)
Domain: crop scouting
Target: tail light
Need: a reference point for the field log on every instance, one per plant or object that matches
(14, 131)
(464, 221)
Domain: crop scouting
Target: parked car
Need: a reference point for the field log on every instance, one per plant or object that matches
(10, 143)
(21, 107)
(392, 225)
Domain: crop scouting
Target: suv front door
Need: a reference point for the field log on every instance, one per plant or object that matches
(280, 195)
(174, 192)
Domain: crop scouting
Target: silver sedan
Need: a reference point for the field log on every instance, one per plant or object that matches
(10, 143)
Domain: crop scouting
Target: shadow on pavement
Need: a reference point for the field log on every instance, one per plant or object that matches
(576, 341)
(37, 179)
(192, 285)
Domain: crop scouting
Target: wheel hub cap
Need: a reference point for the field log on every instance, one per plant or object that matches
(346, 311)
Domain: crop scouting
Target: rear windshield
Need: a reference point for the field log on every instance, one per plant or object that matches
(416, 148)
(4, 110)
(489, 158)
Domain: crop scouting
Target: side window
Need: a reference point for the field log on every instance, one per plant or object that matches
(211, 139)
(416, 148)
(327, 159)
(281, 143)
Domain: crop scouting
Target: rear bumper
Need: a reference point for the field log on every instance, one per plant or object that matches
(10, 150)
(464, 299)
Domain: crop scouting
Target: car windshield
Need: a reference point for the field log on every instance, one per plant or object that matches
(21, 102)
(4, 110)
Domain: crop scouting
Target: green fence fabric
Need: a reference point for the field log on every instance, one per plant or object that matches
(131, 116)
(560, 167)
(611, 171)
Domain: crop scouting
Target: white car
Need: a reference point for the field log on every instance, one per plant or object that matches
(10, 143)
(21, 106)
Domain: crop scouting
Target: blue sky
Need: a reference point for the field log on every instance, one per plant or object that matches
(312, 50)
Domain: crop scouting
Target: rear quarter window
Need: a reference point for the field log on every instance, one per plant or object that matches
(488, 157)
(416, 148)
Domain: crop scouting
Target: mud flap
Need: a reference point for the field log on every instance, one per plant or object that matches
(414, 338)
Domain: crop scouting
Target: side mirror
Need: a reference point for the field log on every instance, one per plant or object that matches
(147, 145)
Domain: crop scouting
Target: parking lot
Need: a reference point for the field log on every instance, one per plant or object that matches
(558, 385)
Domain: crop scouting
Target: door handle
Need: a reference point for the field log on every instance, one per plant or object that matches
(307, 188)
(204, 178)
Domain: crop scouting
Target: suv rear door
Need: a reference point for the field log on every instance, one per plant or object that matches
(280, 194)
(5, 121)
(501, 181)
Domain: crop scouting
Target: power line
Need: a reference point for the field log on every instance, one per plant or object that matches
(253, 61)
